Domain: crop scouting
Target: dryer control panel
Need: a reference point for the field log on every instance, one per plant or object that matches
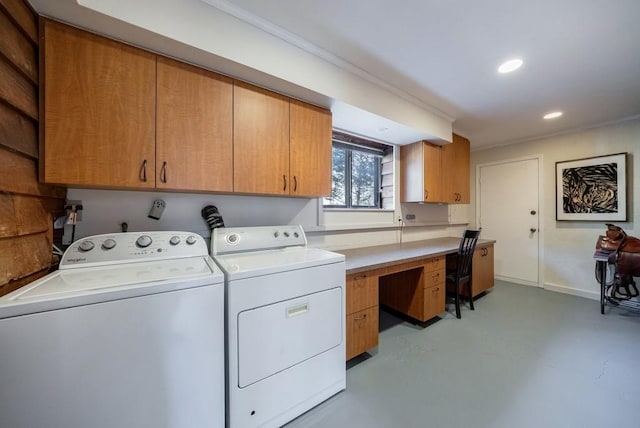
(242, 239)
(116, 248)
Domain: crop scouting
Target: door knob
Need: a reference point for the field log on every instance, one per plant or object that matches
(532, 212)
(533, 229)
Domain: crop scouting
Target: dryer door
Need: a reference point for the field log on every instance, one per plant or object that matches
(275, 337)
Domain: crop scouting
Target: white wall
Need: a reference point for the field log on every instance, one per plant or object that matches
(568, 246)
(104, 211)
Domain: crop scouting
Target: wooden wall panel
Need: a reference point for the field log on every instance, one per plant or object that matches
(24, 255)
(19, 50)
(18, 174)
(18, 132)
(23, 16)
(27, 207)
(17, 90)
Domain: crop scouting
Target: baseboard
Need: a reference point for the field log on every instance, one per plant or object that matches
(517, 281)
(593, 295)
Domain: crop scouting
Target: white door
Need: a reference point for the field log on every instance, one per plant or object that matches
(509, 213)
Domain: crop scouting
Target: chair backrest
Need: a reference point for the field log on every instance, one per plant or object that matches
(465, 253)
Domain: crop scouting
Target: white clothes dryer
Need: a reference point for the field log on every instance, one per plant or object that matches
(285, 320)
(129, 332)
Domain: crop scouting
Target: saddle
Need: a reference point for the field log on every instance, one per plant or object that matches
(625, 255)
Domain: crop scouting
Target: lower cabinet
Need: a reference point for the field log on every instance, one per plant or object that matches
(482, 277)
(362, 331)
(362, 313)
(416, 290)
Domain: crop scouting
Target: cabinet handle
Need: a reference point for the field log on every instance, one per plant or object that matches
(458, 197)
(295, 183)
(426, 195)
(142, 175)
(359, 277)
(363, 317)
(284, 178)
(163, 172)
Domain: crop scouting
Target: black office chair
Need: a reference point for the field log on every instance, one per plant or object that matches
(461, 273)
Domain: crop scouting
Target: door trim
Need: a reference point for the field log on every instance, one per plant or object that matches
(541, 210)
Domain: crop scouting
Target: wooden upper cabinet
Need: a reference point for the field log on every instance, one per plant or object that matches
(98, 100)
(260, 141)
(455, 170)
(194, 128)
(421, 172)
(309, 150)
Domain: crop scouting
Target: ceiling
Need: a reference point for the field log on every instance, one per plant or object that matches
(580, 57)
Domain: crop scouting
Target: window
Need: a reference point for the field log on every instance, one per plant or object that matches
(357, 174)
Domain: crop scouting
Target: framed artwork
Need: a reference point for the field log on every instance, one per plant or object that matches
(592, 189)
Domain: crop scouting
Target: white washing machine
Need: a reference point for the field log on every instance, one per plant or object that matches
(285, 320)
(129, 332)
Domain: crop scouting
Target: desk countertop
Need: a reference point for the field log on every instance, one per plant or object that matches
(366, 258)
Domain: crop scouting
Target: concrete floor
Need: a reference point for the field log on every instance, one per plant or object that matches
(525, 357)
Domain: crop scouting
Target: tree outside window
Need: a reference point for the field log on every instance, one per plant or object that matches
(355, 177)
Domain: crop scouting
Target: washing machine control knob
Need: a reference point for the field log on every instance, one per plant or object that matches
(175, 240)
(108, 244)
(276, 234)
(191, 240)
(86, 246)
(144, 241)
(286, 234)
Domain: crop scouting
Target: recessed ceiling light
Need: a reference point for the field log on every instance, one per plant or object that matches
(509, 66)
(552, 115)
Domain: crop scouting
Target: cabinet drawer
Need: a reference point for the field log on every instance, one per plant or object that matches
(362, 292)
(434, 301)
(435, 277)
(362, 331)
(434, 264)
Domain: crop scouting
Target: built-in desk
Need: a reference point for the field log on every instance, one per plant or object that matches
(409, 278)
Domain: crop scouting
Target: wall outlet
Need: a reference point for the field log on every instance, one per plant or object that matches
(410, 216)
(75, 206)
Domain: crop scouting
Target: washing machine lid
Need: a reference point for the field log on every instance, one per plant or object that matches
(73, 287)
(257, 263)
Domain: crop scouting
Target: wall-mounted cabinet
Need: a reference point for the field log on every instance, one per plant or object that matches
(194, 128)
(260, 141)
(309, 150)
(121, 117)
(432, 173)
(421, 172)
(281, 146)
(455, 171)
(98, 100)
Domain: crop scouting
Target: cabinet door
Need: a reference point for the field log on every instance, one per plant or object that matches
(362, 331)
(310, 150)
(455, 170)
(194, 141)
(362, 292)
(434, 301)
(98, 105)
(482, 276)
(260, 141)
(432, 172)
